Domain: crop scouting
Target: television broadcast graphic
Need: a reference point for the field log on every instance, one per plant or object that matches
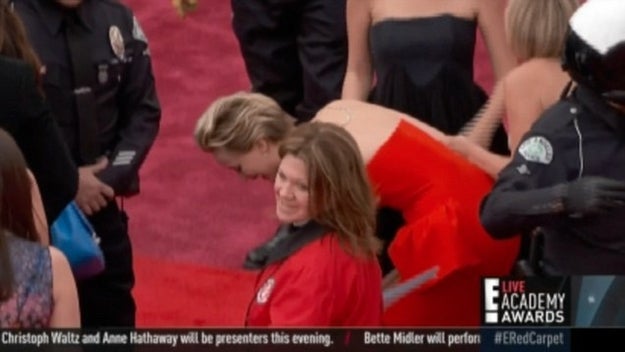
(526, 302)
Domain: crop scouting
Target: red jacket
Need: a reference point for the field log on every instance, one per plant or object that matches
(319, 285)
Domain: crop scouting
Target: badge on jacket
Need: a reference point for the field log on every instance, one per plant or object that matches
(537, 149)
(265, 291)
(117, 42)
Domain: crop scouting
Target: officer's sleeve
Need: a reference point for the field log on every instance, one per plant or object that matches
(44, 149)
(140, 115)
(528, 192)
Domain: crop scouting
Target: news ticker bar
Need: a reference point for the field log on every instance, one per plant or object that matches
(379, 340)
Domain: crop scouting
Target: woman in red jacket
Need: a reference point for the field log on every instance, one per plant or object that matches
(321, 267)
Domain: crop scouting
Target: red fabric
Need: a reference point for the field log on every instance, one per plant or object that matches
(439, 194)
(320, 285)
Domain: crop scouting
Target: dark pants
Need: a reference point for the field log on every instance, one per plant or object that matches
(295, 51)
(106, 299)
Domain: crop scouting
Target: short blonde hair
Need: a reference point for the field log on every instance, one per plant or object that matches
(537, 28)
(236, 122)
(341, 197)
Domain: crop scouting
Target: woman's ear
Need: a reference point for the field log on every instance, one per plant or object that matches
(263, 146)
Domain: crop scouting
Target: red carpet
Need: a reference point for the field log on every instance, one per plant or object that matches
(190, 295)
(193, 221)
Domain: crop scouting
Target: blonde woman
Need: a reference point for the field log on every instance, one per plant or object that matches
(535, 31)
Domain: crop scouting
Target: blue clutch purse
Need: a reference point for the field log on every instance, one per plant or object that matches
(73, 235)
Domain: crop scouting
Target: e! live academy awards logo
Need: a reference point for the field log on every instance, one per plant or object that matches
(527, 301)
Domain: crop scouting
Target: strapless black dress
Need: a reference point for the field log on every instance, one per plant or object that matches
(424, 68)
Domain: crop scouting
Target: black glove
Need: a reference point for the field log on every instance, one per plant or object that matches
(593, 194)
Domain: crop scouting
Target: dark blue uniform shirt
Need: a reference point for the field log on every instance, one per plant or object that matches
(128, 110)
(579, 136)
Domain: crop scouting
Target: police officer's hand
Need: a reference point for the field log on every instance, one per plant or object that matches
(593, 194)
(93, 194)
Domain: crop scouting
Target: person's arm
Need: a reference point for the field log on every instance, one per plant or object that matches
(39, 215)
(359, 72)
(524, 195)
(491, 163)
(47, 156)
(524, 104)
(65, 312)
(482, 127)
(140, 115)
(533, 190)
(491, 23)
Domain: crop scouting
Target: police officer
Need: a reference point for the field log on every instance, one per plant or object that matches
(98, 80)
(568, 174)
(295, 51)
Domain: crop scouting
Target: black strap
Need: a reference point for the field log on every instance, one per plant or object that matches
(286, 241)
(568, 88)
(79, 46)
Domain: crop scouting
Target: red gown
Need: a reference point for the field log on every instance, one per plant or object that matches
(439, 194)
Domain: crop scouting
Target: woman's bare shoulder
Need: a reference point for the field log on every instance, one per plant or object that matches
(535, 69)
(536, 76)
(58, 259)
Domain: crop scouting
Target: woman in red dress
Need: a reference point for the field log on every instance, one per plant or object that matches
(411, 169)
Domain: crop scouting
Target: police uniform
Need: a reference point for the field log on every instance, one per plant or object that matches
(582, 135)
(127, 114)
(295, 51)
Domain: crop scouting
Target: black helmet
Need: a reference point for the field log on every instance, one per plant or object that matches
(594, 52)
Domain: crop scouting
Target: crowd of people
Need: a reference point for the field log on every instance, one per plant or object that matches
(388, 162)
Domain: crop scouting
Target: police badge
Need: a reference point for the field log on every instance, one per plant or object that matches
(117, 42)
(537, 149)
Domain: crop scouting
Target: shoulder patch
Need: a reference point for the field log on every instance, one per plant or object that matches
(537, 149)
(137, 32)
(117, 42)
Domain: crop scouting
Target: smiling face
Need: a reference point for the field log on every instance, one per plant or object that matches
(292, 191)
(261, 161)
